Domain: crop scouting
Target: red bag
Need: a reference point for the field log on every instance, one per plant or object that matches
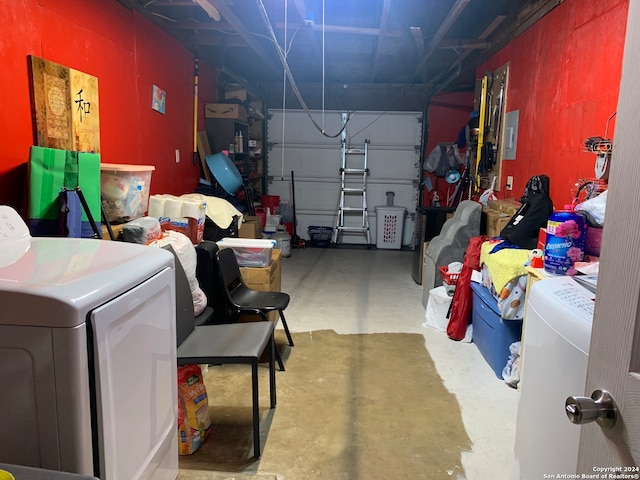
(460, 316)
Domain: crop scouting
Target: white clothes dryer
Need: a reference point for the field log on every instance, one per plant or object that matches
(556, 337)
(87, 355)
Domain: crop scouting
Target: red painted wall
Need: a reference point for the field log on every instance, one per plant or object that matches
(448, 112)
(128, 55)
(564, 78)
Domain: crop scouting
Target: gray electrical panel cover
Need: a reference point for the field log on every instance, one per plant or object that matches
(511, 135)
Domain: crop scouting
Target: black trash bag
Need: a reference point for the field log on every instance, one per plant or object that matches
(524, 227)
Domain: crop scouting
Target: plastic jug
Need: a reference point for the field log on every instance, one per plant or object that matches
(566, 235)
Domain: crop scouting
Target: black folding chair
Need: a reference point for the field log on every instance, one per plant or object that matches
(242, 299)
(234, 343)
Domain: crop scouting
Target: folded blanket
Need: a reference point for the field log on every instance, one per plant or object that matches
(504, 264)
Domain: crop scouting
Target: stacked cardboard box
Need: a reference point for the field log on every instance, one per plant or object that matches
(235, 93)
(251, 227)
(497, 214)
(225, 110)
(266, 279)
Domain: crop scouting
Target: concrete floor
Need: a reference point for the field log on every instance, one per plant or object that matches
(376, 288)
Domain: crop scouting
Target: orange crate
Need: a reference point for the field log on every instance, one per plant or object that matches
(448, 278)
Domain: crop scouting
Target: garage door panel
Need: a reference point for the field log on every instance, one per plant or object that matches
(393, 161)
(386, 128)
(300, 130)
(322, 196)
(310, 162)
(325, 162)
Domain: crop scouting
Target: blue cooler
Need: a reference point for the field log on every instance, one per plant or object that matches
(492, 335)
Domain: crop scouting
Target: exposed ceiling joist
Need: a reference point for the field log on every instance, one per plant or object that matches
(248, 37)
(526, 18)
(452, 16)
(468, 51)
(374, 32)
(384, 19)
(376, 48)
(302, 13)
(416, 33)
(467, 44)
(194, 25)
(209, 8)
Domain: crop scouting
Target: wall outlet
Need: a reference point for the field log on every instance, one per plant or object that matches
(509, 184)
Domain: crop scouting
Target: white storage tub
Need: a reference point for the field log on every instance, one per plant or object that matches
(249, 252)
(124, 190)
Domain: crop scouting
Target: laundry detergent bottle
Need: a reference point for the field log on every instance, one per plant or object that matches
(566, 235)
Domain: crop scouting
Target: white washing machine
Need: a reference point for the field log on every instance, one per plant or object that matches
(556, 337)
(87, 355)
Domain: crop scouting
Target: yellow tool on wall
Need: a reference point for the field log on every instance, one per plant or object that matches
(481, 125)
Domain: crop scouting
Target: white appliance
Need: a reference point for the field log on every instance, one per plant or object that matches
(556, 337)
(87, 355)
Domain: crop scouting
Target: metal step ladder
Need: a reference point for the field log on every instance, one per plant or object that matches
(353, 191)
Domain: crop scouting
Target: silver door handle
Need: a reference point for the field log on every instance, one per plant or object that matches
(599, 407)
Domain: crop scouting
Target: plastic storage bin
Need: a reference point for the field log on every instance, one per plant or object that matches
(249, 252)
(124, 190)
(390, 224)
(492, 335)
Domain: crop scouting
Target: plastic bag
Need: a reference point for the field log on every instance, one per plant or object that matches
(437, 307)
(511, 372)
(488, 194)
(594, 209)
(141, 230)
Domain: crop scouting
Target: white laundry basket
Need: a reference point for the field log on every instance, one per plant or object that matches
(389, 223)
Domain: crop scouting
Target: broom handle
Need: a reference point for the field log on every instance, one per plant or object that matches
(293, 198)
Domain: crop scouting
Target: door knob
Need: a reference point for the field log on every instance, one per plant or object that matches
(600, 407)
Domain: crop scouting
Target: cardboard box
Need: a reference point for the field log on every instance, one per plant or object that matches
(509, 206)
(225, 110)
(251, 227)
(495, 221)
(265, 279)
(116, 229)
(235, 93)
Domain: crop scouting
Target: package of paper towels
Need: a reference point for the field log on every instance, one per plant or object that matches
(183, 214)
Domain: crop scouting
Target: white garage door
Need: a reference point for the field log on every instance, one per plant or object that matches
(394, 157)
